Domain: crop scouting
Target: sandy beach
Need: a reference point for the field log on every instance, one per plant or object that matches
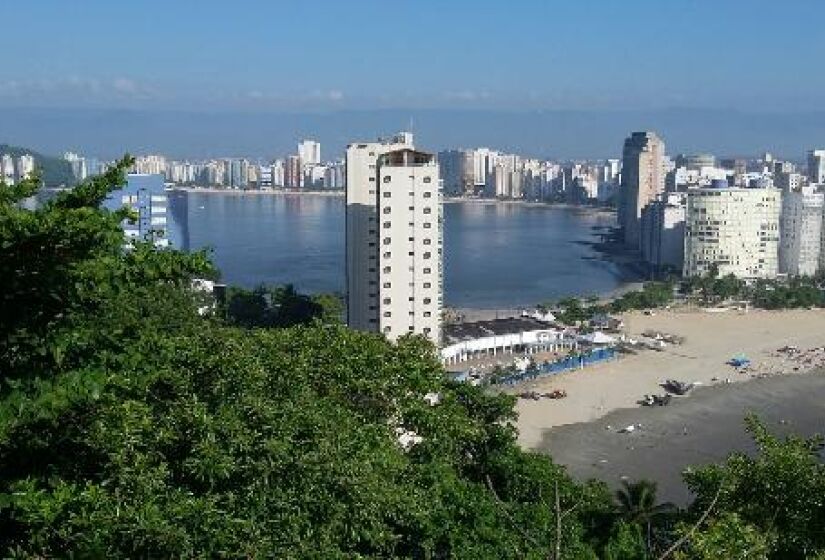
(710, 340)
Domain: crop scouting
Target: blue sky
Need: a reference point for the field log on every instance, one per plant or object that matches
(322, 55)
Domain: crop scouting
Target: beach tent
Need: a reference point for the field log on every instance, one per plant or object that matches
(598, 337)
(739, 361)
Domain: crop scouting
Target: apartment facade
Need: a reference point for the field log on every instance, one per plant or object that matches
(394, 239)
(643, 179)
(662, 234)
(801, 238)
(145, 195)
(816, 166)
(735, 229)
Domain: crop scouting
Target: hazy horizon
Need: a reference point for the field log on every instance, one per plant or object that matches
(558, 134)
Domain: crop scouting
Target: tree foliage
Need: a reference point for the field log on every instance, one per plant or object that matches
(280, 306)
(780, 492)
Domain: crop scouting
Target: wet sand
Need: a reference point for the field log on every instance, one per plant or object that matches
(701, 428)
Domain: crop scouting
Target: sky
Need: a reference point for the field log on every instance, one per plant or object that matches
(266, 57)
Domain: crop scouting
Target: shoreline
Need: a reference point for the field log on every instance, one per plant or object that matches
(529, 204)
(446, 200)
(216, 190)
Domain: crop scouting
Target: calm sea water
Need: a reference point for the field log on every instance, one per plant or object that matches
(495, 255)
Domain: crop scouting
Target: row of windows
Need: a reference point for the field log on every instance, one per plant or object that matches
(427, 330)
(389, 285)
(388, 254)
(388, 269)
(388, 178)
(426, 314)
(426, 300)
(388, 194)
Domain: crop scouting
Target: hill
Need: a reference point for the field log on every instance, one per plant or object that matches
(56, 172)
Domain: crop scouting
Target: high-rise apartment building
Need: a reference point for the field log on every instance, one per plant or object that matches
(25, 166)
(733, 228)
(643, 179)
(816, 166)
(7, 174)
(309, 152)
(293, 174)
(393, 239)
(456, 168)
(662, 231)
(145, 195)
(801, 232)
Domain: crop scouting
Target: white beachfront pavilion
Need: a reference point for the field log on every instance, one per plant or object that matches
(525, 335)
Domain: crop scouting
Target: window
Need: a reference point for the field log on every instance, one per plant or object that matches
(411, 253)
(387, 178)
(387, 269)
(372, 179)
(411, 208)
(387, 301)
(428, 210)
(427, 301)
(427, 285)
(387, 285)
(427, 241)
(427, 225)
(387, 255)
(428, 179)
(387, 225)
(372, 244)
(427, 255)
(427, 270)
(387, 314)
(387, 240)
(411, 298)
(428, 194)
(387, 194)
(427, 314)
(387, 210)
(387, 329)
(427, 330)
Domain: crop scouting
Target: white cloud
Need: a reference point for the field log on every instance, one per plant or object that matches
(75, 86)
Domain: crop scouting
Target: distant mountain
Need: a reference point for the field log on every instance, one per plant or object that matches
(56, 171)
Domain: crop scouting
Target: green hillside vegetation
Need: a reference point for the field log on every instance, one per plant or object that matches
(55, 171)
(133, 426)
